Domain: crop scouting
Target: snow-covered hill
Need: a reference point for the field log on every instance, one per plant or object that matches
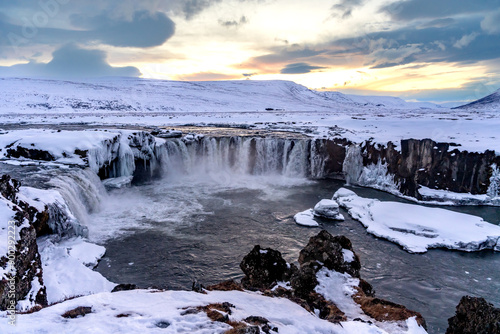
(132, 95)
(490, 102)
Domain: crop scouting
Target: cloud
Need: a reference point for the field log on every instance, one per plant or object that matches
(435, 44)
(71, 61)
(344, 8)
(407, 10)
(144, 29)
(491, 23)
(193, 7)
(234, 23)
(465, 40)
(299, 68)
(437, 23)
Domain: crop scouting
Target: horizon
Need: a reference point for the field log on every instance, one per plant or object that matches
(415, 50)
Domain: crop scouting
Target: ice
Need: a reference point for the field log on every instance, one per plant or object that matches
(306, 218)
(417, 228)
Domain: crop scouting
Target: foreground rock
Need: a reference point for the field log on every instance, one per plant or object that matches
(25, 267)
(327, 283)
(474, 316)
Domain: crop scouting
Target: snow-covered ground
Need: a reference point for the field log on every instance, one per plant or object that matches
(417, 228)
(151, 311)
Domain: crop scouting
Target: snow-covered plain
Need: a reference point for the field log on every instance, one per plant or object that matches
(417, 228)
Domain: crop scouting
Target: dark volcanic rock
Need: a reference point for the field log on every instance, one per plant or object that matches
(263, 268)
(124, 287)
(327, 250)
(474, 316)
(434, 165)
(29, 153)
(27, 263)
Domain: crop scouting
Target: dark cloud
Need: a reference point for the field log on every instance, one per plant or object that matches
(406, 10)
(285, 55)
(344, 8)
(233, 23)
(144, 29)
(193, 7)
(463, 41)
(71, 61)
(299, 68)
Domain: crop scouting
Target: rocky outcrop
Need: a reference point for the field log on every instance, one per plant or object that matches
(27, 262)
(474, 316)
(265, 268)
(431, 164)
(329, 250)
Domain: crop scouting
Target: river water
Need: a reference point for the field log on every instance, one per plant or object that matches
(173, 231)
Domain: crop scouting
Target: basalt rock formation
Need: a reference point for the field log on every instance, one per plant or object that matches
(267, 271)
(27, 262)
(474, 316)
(434, 165)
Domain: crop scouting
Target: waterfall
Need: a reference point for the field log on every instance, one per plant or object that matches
(353, 164)
(237, 155)
(81, 193)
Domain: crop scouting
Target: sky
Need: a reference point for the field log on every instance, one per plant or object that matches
(425, 50)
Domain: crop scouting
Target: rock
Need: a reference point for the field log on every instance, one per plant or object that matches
(29, 153)
(27, 262)
(124, 287)
(244, 330)
(229, 285)
(263, 268)
(329, 209)
(474, 316)
(384, 310)
(304, 281)
(328, 251)
(80, 311)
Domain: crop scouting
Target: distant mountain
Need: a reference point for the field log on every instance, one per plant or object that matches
(490, 102)
(146, 95)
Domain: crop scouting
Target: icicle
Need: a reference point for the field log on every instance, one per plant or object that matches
(494, 187)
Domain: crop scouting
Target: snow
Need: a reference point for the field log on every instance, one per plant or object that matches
(306, 218)
(65, 273)
(348, 255)
(339, 289)
(438, 196)
(144, 309)
(417, 228)
(329, 209)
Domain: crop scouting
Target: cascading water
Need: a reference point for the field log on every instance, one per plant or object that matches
(238, 155)
(82, 192)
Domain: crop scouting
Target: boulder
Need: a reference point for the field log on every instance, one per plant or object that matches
(474, 316)
(335, 253)
(263, 267)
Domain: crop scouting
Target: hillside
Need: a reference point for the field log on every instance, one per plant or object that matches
(132, 95)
